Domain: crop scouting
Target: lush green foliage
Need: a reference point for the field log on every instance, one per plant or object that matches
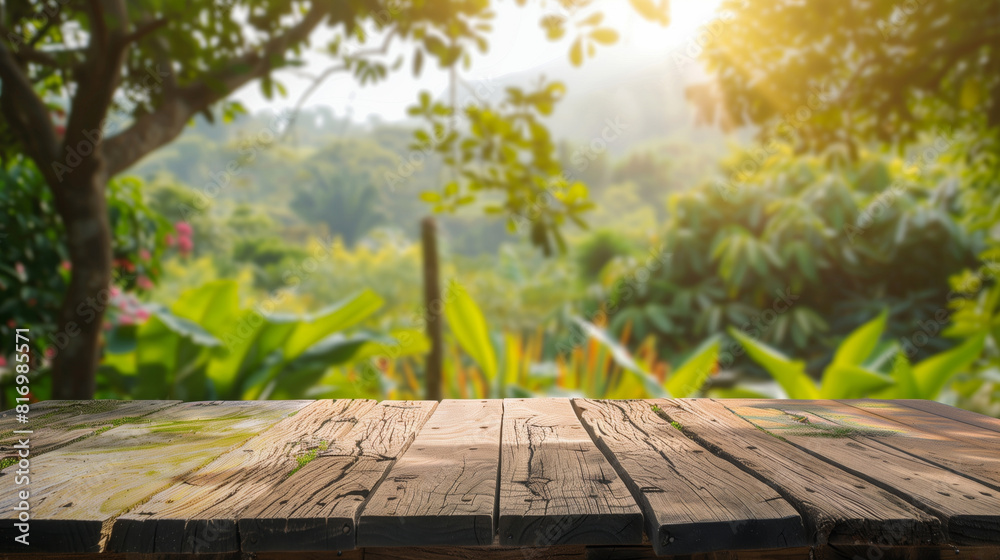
(34, 270)
(206, 346)
(862, 367)
(801, 252)
(863, 69)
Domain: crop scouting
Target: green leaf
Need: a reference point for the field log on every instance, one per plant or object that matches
(687, 379)
(576, 52)
(622, 357)
(466, 322)
(858, 345)
(338, 317)
(605, 35)
(933, 373)
(790, 374)
(846, 381)
(906, 384)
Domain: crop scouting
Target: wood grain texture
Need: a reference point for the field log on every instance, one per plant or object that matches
(970, 512)
(896, 411)
(837, 506)
(692, 501)
(58, 423)
(200, 515)
(556, 487)
(973, 461)
(78, 490)
(317, 507)
(957, 414)
(442, 492)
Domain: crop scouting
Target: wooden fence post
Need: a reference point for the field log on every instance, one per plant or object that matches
(434, 306)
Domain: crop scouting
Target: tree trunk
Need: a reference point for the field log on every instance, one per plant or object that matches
(79, 199)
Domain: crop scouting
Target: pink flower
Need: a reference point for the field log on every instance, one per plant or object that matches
(19, 267)
(3, 361)
(144, 283)
(185, 245)
(183, 229)
(126, 320)
(50, 352)
(115, 291)
(169, 240)
(66, 265)
(142, 314)
(144, 254)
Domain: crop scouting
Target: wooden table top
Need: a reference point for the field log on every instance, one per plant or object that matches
(673, 477)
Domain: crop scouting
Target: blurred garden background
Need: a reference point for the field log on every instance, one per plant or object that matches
(222, 200)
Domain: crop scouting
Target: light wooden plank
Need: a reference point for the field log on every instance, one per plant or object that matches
(837, 506)
(693, 501)
(973, 461)
(78, 490)
(63, 422)
(317, 508)
(930, 422)
(969, 511)
(200, 515)
(556, 487)
(442, 492)
(953, 413)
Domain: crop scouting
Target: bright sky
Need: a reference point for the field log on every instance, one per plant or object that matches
(517, 43)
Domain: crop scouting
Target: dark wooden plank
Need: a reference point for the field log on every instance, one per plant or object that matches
(929, 422)
(478, 553)
(969, 511)
(837, 506)
(957, 414)
(57, 423)
(200, 515)
(317, 507)
(78, 490)
(442, 492)
(556, 487)
(692, 501)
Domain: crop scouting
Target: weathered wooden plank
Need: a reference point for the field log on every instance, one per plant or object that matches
(957, 414)
(200, 515)
(78, 490)
(970, 512)
(556, 487)
(57, 423)
(973, 461)
(896, 411)
(837, 506)
(317, 507)
(442, 492)
(692, 501)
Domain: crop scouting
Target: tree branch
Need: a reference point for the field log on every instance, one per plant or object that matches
(329, 72)
(27, 114)
(144, 30)
(99, 78)
(165, 123)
